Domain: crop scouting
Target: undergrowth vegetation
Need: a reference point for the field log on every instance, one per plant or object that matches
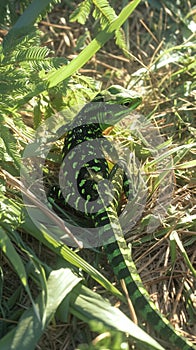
(54, 57)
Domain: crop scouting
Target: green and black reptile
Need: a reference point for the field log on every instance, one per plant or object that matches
(84, 183)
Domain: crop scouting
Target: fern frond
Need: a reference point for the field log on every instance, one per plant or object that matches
(28, 36)
(104, 12)
(48, 64)
(32, 54)
(23, 66)
(81, 12)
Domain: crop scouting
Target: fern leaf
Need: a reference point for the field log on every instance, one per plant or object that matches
(104, 12)
(23, 37)
(32, 54)
(82, 12)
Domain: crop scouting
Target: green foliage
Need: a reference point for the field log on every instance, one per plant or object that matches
(177, 53)
(102, 12)
(33, 323)
(8, 150)
(82, 12)
(23, 67)
(23, 64)
(10, 10)
(178, 16)
(35, 83)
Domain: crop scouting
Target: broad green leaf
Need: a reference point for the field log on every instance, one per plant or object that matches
(89, 306)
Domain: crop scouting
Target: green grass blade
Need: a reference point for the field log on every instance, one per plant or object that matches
(183, 148)
(186, 165)
(175, 238)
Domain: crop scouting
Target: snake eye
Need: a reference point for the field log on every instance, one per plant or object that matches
(126, 104)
